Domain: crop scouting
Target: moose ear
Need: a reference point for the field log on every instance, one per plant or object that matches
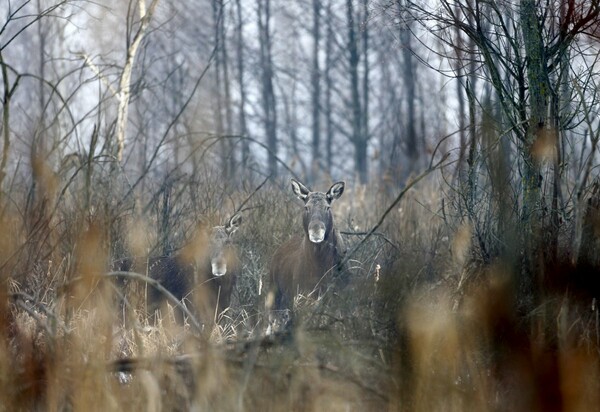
(234, 223)
(299, 189)
(335, 191)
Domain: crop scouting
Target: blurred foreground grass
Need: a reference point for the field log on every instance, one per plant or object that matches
(422, 324)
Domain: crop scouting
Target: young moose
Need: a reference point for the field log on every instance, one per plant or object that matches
(300, 264)
(207, 268)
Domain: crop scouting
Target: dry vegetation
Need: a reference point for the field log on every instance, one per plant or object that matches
(419, 324)
(475, 289)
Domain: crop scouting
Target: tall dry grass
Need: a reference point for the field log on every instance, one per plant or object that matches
(420, 324)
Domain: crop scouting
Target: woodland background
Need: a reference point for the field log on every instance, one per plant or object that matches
(466, 132)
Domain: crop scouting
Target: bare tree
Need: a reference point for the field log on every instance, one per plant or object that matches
(315, 76)
(266, 74)
(242, 124)
(329, 127)
(522, 48)
(359, 135)
(222, 109)
(146, 13)
(409, 132)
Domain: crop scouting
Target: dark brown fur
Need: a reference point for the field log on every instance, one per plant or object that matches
(190, 276)
(301, 265)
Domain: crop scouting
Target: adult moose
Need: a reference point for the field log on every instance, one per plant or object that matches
(204, 272)
(300, 264)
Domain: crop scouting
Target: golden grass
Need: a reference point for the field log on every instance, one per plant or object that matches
(419, 327)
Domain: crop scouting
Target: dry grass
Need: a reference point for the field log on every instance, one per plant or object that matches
(419, 325)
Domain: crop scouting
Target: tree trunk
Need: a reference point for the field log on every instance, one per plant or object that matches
(460, 97)
(267, 91)
(329, 88)
(355, 102)
(218, 108)
(229, 144)
(124, 93)
(223, 93)
(365, 133)
(315, 77)
(539, 95)
(360, 159)
(410, 80)
(243, 128)
(42, 68)
(290, 108)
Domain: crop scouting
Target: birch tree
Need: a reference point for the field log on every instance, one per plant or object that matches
(133, 44)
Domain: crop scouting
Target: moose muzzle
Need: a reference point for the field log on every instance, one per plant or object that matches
(316, 231)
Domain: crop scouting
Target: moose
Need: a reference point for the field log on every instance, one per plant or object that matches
(207, 268)
(300, 264)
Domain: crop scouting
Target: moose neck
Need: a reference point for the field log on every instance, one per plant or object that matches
(325, 250)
